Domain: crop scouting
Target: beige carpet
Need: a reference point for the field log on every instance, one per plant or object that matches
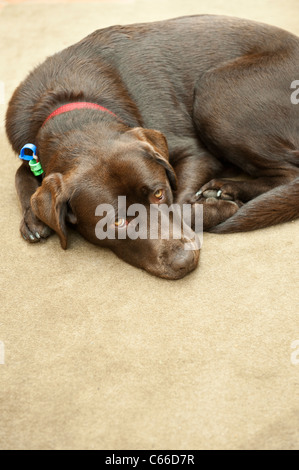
(100, 355)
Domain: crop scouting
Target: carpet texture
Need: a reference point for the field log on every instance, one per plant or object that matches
(100, 355)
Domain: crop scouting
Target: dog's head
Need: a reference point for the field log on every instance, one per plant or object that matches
(85, 177)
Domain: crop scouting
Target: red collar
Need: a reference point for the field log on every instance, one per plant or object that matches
(80, 105)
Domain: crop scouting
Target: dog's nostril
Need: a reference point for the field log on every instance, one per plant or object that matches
(183, 260)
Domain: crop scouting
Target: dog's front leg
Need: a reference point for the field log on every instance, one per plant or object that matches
(32, 229)
(192, 170)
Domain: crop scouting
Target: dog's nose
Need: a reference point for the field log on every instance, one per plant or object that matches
(183, 262)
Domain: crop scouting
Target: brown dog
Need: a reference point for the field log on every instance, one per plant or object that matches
(216, 91)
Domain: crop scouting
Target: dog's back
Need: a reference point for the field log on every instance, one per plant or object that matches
(152, 66)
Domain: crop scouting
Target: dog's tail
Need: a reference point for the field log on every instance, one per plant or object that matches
(273, 207)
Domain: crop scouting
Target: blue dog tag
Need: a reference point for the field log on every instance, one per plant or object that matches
(25, 156)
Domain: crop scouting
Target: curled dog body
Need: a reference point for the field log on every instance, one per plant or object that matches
(158, 113)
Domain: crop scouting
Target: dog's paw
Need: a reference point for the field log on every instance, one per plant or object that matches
(32, 229)
(221, 189)
(216, 211)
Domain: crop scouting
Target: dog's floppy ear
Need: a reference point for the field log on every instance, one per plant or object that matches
(160, 147)
(50, 204)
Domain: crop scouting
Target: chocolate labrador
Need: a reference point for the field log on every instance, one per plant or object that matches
(158, 113)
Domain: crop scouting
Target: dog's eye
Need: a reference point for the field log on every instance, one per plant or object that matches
(120, 223)
(159, 194)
